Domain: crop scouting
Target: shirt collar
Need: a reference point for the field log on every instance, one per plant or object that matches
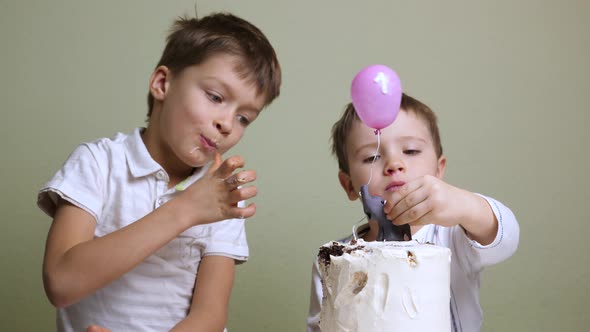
(139, 160)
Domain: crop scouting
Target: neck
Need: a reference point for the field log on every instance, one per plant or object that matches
(176, 170)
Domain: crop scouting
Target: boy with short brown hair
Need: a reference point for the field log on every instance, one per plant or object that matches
(137, 217)
(407, 172)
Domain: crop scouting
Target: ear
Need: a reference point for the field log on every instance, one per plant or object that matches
(346, 184)
(440, 168)
(159, 82)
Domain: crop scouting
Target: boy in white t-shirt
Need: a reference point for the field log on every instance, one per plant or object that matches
(147, 227)
(407, 172)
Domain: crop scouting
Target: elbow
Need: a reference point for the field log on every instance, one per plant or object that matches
(513, 236)
(56, 292)
(514, 244)
(506, 248)
(56, 299)
(57, 302)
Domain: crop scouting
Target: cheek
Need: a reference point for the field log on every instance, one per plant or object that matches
(360, 177)
(231, 141)
(428, 168)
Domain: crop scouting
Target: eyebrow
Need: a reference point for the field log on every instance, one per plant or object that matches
(412, 138)
(401, 138)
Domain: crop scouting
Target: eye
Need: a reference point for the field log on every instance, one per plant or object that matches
(214, 97)
(244, 121)
(412, 152)
(371, 159)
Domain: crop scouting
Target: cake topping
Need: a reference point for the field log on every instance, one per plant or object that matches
(412, 259)
(359, 280)
(335, 249)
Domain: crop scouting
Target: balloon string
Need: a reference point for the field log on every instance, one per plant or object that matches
(378, 133)
(358, 223)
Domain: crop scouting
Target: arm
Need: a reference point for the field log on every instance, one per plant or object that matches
(211, 295)
(504, 243)
(76, 264)
(429, 200)
(478, 221)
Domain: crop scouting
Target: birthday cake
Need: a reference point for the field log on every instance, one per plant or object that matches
(385, 286)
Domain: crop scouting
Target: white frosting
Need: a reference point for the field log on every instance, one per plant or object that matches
(387, 286)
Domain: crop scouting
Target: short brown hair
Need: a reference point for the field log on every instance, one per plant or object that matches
(193, 40)
(341, 128)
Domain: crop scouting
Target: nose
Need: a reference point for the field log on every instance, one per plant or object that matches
(393, 166)
(224, 123)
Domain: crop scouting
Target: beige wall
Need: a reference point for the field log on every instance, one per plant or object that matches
(507, 78)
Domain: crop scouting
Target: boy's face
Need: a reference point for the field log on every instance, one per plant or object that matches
(203, 109)
(406, 153)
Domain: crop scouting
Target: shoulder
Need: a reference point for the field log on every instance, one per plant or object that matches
(106, 146)
(96, 152)
(81, 178)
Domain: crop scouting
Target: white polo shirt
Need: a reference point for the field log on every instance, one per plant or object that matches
(468, 259)
(117, 182)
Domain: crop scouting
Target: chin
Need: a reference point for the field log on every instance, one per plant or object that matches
(196, 162)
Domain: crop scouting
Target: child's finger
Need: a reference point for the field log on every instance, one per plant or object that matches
(417, 215)
(243, 193)
(229, 166)
(240, 179)
(397, 196)
(407, 202)
(245, 212)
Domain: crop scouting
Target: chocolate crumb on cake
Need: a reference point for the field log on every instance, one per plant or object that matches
(334, 249)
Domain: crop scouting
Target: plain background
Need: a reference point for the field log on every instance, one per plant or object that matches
(509, 80)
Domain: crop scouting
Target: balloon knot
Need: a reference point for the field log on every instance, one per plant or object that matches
(377, 131)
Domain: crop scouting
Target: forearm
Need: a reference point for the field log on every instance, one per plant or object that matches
(211, 295)
(203, 322)
(73, 274)
(506, 242)
(479, 222)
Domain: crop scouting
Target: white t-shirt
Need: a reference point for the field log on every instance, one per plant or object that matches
(468, 258)
(117, 182)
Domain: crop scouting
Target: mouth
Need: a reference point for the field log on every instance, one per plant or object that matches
(208, 144)
(394, 186)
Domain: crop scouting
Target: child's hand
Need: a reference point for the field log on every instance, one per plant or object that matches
(96, 328)
(215, 196)
(429, 200)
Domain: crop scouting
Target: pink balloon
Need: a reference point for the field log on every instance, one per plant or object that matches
(376, 93)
